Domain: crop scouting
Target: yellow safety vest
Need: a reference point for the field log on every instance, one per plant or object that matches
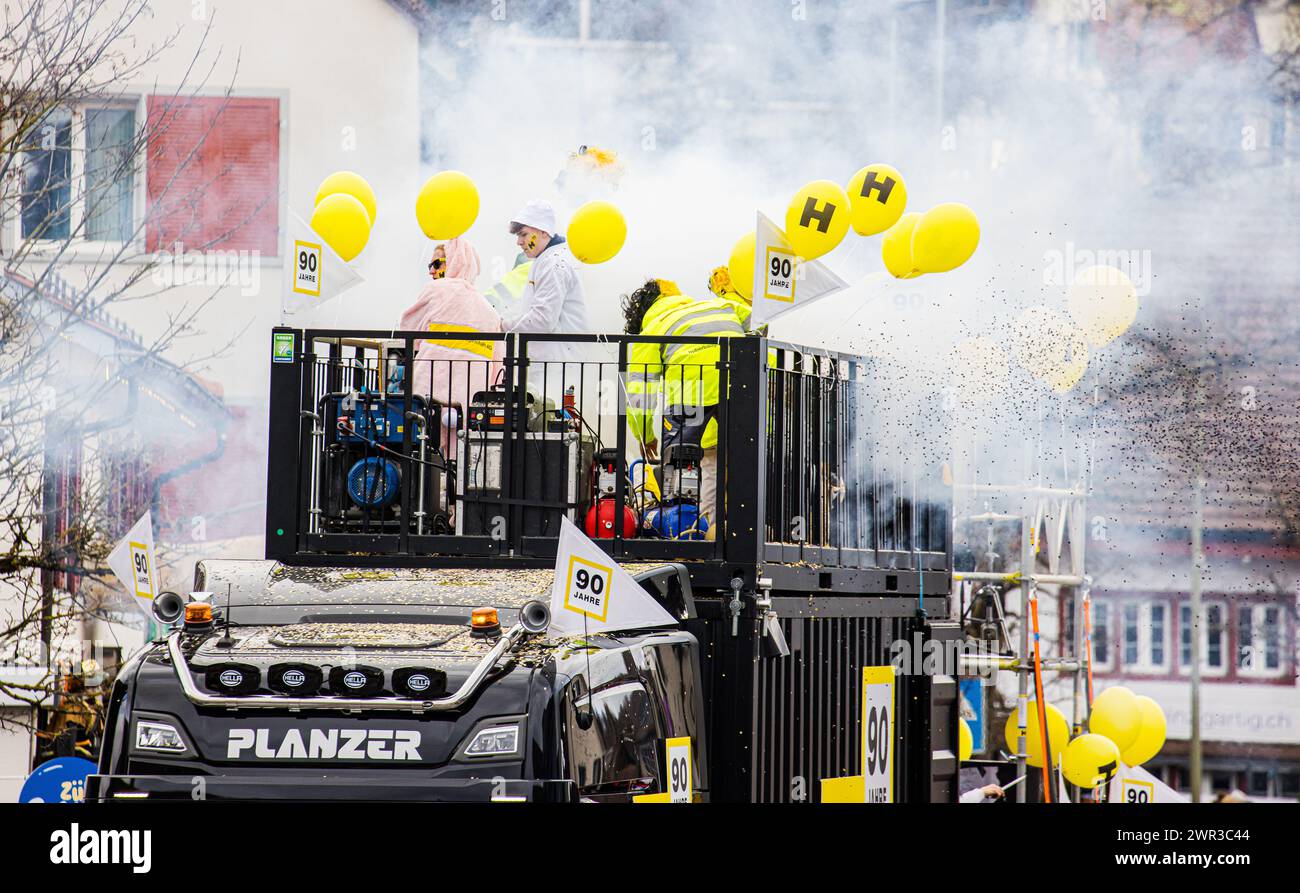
(507, 290)
(679, 374)
(742, 307)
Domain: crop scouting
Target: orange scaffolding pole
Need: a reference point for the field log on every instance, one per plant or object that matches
(1042, 709)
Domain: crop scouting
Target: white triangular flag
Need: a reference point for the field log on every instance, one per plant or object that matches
(591, 593)
(315, 273)
(1062, 792)
(1133, 784)
(783, 280)
(133, 562)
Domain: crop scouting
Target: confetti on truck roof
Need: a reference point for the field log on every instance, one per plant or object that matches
(254, 582)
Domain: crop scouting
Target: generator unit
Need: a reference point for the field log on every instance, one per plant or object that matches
(367, 470)
(679, 515)
(549, 469)
(602, 517)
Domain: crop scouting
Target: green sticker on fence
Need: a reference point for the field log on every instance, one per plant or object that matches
(282, 347)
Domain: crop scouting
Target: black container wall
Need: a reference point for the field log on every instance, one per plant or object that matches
(779, 725)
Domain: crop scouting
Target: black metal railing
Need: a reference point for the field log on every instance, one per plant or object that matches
(462, 444)
(837, 493)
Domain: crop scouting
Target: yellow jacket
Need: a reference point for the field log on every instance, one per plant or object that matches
(505, 292)
(670, 375)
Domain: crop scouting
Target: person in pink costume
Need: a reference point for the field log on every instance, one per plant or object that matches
(450, 371)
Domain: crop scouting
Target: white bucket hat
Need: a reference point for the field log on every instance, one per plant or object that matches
(539, 215)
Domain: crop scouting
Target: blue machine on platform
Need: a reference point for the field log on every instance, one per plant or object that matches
(373, 440)
(679, 521)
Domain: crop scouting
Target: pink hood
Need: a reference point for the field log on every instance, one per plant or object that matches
(452, 303)
(462, 260)
(449, 298)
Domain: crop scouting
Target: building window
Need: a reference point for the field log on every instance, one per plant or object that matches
(1212, 639)
(1145, 637)
(1288, 784)
(47, 179)
(1156, 613)
(63, 467)
(1272, 642)
(1100, 633)
(1132, 637)
(1260, 634)
(128, 488)
(1214, 626)
(213, 174)
(110, 174)
(78, 176)
(1176, 778)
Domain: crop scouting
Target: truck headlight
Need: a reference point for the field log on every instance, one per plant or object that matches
(158, 736)
(496, 741)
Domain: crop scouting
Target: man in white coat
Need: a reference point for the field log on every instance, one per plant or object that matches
(552, 302)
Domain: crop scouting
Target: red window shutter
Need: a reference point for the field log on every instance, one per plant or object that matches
(213, 174)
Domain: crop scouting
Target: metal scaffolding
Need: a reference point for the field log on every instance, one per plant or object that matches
(1061, 514)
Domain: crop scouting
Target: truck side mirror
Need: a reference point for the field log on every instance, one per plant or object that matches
(581, 696)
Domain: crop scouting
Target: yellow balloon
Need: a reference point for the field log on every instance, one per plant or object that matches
(817, 219)
(596, 232)
(1058, 734)
(1090, 760)
(896, 247)
(1151, 735)
(447, 205)
(1117, 715)
(1049, 347)
(965, 741)
(741, 265)
(351, 184)
(1104, 302)
(341, 220)
(945, 237)
(878, 197)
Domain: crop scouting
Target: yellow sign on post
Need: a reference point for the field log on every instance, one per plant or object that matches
(878, 709)
(679, 770)
(680, 775)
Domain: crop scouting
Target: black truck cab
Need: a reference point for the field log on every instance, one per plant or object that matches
(336, 683)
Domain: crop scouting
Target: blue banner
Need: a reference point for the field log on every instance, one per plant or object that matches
(61, 780)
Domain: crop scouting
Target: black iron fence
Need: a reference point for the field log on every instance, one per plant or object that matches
(425, 444)
(839, 490)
